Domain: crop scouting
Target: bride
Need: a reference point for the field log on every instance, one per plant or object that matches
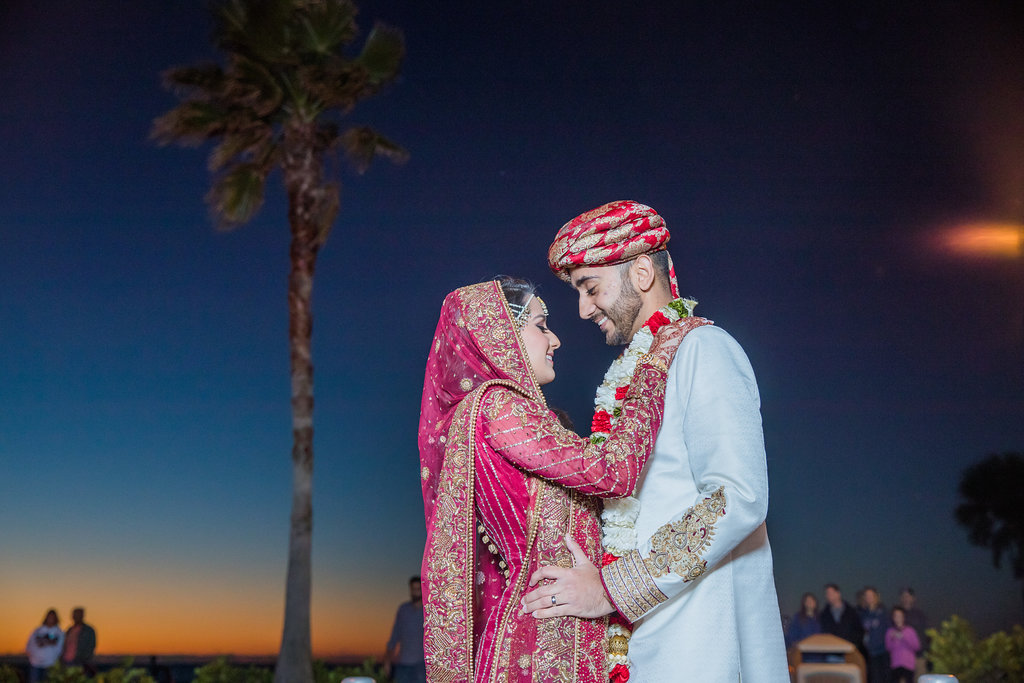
(504, 483)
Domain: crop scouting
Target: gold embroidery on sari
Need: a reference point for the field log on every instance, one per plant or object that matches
(450, 560)
(506, 632)
(554, 654)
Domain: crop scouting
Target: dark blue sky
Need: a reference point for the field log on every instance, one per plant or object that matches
(808, 159)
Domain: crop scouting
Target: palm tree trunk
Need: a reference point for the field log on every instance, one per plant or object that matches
(303, 174)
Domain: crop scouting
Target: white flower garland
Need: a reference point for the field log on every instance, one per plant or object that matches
(618, 521)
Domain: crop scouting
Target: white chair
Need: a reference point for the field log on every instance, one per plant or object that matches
(822, 672)
(938, 678)
(358, 679)
(848, 669)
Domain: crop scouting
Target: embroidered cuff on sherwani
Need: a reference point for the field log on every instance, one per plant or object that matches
(681, 547)
(631, 587)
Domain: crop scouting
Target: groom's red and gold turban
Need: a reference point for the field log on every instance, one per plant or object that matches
(613, 233)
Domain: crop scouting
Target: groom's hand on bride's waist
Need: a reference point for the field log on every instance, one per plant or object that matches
(576, 591)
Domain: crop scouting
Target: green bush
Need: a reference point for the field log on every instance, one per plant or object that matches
(322, 674)
(8, 674)
(220, 671)
(956, 650)
(123, 673)
(953, 647)
(217, 671)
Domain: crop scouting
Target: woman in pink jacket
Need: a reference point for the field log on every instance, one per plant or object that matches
(902, 643)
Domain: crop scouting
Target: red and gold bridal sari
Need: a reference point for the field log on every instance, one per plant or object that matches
(503, 483)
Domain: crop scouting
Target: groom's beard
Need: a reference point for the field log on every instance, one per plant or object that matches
(623, 313)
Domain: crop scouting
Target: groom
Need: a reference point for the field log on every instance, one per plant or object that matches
(693, 579)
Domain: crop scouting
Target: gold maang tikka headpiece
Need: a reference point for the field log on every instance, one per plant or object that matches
(520, 312)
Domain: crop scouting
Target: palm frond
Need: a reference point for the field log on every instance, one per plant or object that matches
(361, 144)
(252, 85)
(185, 81)
(237, 195)
(336, 83)
(325, 26)
(190, 123)
(382, 54)
(260, 29)
(254, 145)
(391, 150)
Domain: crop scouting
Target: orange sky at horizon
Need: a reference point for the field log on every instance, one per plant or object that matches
(161, 612)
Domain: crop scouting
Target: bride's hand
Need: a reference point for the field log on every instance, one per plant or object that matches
(577, 591)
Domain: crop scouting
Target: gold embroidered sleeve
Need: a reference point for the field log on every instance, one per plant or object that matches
(529, 435)
(680, 547)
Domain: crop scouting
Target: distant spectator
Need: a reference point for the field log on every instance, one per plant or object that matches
(903, 644)
(44, 646)
(404, 657)
(161, 673)
(858, 600)
(917, 620)
(79, 643)
(805, 622)
(839, 619)
(875, 622)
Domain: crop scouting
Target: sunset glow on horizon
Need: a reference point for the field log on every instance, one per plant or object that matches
(146, 612)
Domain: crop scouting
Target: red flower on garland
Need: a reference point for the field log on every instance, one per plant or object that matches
(618, 674)
(656, 321)
(602, 422)
(620, 392)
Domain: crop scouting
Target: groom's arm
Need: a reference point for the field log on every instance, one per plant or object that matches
(722, 433)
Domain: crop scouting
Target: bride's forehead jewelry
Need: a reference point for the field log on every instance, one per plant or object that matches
(521, 312)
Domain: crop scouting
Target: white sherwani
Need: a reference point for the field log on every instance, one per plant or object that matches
(700, 588)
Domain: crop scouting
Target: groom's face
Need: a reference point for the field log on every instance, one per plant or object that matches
(608, 298)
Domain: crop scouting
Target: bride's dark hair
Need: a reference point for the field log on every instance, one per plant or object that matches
(517, 291)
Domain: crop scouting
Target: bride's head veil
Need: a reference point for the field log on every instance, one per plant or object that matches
(476, 343)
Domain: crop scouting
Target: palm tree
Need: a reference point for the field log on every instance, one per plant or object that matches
(991, 508)
(277, 102)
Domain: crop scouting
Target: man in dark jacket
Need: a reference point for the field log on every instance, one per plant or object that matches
(840, 619)
(79, 643)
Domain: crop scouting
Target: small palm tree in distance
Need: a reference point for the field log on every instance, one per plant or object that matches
(992, 510)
